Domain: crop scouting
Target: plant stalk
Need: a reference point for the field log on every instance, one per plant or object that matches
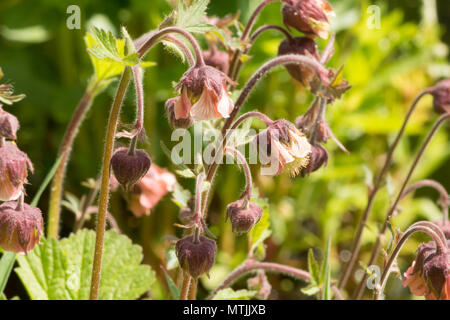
(104, 187)
(373, 191)
(64, 152)
(361, 287)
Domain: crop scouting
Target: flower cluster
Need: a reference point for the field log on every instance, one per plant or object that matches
(20, 223)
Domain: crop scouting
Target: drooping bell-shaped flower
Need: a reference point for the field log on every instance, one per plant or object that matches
(20, 226)
(196, 257)
(243, 215)
(429, 275)
(204, 94)
(14, 165)
(312, 17)
(283, 147)
(129, 167)
(441, 95)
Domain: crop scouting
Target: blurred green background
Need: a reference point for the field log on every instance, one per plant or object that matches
(387, 68)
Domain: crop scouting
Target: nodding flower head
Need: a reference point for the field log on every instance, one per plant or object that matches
(303, 46)
(243, 215)
(14, 165)
(8, 125)
(217, 58)
(441, 95)
(20, 227)
(171, 105)
(312, 17)
(284, 146)
(196, 257)
(129, 167)
(429, 275)
(317, 159)
(204, 94)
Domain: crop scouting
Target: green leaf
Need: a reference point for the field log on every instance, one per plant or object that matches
(326, 273)
(230, 294)
(46, 181)
(313, 268)
(189, 16)
(6, 265)
(62, 270)
(174, 291)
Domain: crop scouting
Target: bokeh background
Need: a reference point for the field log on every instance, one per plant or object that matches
(387, 68)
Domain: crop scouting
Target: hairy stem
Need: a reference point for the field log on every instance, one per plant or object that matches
(249, 266)
(213, 167)
(64, 152)
(266, 27)
(236, 61)
(186, 50)
(372, 193)
(393, 208)
(154, 37)
(104, 187)
(248, 175)
(443, 201)
(185, 286)
(441, 246)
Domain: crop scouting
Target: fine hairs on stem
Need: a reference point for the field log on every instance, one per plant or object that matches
(373, 191)
(393, 208)
(109, 145)
(435, 233)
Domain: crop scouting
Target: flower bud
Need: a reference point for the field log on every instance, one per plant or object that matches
(184, 123)
(14, 165)
(243, 215)
(441, 95)
(317, 159)
(217, 59)
(308, 16)
(129, 168)
(429, 275)
(303, 46)
(196, 258)
(204, 94)
(20, 227)
(8, 125)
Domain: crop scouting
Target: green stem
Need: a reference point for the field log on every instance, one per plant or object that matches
(104, 187)
(64, 154)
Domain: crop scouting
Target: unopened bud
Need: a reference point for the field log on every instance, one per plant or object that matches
(194, 257)
(128, 167)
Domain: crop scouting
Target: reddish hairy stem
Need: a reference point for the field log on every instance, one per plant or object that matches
(64, 152)
(248, 174)
(266, 27)
(154, 37)
(249, 266)
(443, 201)
(373, 191)
(441, 246)
(376, 250)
